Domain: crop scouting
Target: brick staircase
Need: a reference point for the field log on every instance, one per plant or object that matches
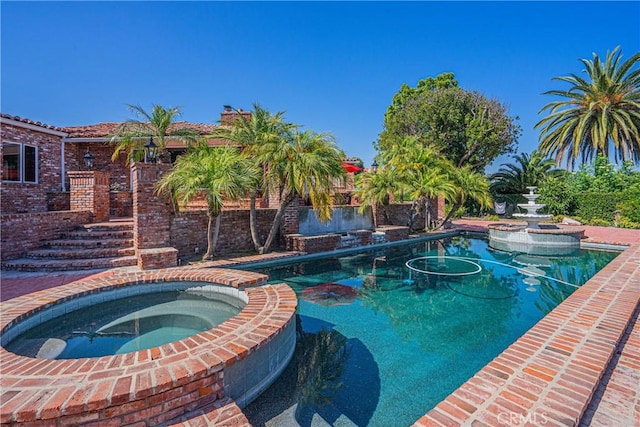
(92, 246)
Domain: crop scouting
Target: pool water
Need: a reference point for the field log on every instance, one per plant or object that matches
(125, 325)
(380, 343)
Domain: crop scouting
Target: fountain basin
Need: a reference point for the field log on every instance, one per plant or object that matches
(549, 239)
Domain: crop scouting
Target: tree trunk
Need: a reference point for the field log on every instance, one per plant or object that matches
(427, 213)
(284, 202)
(213, 229)
(412, 216)
(454, 208)
(253, 224)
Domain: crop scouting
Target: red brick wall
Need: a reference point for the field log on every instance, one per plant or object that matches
(89, 190)
(313, 244)
(58, 201)
(118, 170)
(291, 219)
(23, 232)
(24, 197)
(151, 212)
(399, 214)
(121, 203)
(189, 231)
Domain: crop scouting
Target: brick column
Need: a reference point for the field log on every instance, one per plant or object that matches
(291, 219)
(89, 191)
(152, 218)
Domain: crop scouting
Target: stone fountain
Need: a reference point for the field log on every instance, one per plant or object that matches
(532, 216)
(534, 238)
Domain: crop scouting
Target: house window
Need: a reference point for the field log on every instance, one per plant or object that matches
(19, 162)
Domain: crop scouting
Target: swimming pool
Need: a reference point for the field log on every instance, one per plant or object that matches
(380, 343)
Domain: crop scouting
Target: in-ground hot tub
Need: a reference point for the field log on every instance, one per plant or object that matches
(123, 320)
(238, 358)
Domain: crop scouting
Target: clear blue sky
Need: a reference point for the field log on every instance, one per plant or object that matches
(332, 66)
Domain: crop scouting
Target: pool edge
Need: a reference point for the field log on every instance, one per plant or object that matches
(551, 373)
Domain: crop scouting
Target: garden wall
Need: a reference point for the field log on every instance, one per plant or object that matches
(189, 232)
(23, 232)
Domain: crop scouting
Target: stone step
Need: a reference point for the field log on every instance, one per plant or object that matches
(28, 264)
(88, 243)
(80, 253)
(109, 226)
(94, 234)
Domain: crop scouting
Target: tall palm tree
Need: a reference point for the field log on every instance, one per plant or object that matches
(526, 171)
(221, 172)
(300, 164)
(132, 135)
(251, 134)
(595, 113)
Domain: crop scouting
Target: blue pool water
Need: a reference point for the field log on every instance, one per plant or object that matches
(380, 343)
(128, 323)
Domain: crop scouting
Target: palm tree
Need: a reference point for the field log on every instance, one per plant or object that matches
(221, 172)
(301, 164)
(131, 135)
(469, 185)
(595, 113)
(375, 189)
(251, 134)
(422, 172)
(527, 171)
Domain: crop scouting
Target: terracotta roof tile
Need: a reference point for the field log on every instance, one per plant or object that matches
(31, 122)
(101, 130)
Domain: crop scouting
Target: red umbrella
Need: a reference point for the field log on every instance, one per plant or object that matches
(350, 168)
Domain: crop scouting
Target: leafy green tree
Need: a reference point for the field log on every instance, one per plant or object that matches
(304, 164)
(466, 127)
(526, 171)
(131, 136)
(595, 113)
(252, 134)
(221, 172)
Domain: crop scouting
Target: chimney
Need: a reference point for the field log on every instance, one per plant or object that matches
(230, 114)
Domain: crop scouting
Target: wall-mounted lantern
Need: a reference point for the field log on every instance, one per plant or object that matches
(150, 151)
(88, 159)
(374, 166)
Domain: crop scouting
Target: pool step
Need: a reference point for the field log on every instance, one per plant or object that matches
(91, 246)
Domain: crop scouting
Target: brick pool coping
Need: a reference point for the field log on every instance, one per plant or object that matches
(179, 381)
(549, 375)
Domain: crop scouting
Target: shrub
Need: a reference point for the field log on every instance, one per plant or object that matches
(624, 222)
(598, 206)
(559, 196)
(629, 206)
(600, 222)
